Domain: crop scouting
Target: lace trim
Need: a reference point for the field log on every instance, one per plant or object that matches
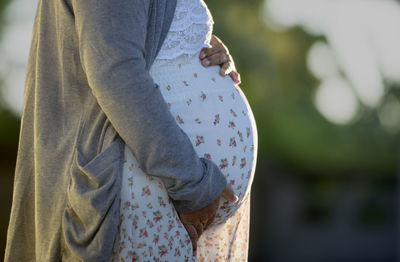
(182, 58)
(194, 38)
(189, 12)
(190, 31)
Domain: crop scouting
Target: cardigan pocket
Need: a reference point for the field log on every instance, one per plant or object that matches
(91, 216)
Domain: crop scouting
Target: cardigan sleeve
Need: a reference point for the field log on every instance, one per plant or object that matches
(111, 36)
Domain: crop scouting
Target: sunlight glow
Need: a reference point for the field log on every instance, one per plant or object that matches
(389, 114)
(14, 51)
(363, 36)
(335, 100)
(321, 61)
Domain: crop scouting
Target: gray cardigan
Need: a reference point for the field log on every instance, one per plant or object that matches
(87, 92)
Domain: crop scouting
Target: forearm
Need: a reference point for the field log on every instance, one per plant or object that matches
(111, 43)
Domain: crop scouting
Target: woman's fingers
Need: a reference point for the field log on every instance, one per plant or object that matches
(209, 221)
(206, 52)
(235, 77)
(226, 68)
(198, 221)
(229, 195)
(199, 229)
(193, 237)
(218, 54)
(216, 59)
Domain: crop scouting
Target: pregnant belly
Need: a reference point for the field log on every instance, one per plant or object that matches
(217, 118)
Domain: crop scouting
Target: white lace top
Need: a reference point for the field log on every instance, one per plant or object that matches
(190, 30)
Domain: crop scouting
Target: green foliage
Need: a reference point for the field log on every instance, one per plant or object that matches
(279, 88)
(9, 123)
(9, 133)
(3, 4)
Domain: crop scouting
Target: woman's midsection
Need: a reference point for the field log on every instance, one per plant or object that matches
(217, 118)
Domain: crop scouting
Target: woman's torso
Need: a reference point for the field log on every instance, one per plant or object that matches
(210, 108)
(215, 115)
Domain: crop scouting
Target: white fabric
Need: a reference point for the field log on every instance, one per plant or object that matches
(218, 120)
(190, 30)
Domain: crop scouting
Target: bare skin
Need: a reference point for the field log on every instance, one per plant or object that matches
(218, 54)
(198, 221)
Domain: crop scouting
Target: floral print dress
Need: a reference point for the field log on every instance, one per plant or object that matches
(217, 118)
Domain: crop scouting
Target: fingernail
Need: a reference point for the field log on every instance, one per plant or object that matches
(236, 199)
(203, 55)
(206, 62)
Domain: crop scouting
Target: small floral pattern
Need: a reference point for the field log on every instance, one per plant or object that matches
(215, 115)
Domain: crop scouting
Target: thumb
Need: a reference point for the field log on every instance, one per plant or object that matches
(229, 195)
(193, 237)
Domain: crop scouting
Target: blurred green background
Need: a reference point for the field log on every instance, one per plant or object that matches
(326, 185)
